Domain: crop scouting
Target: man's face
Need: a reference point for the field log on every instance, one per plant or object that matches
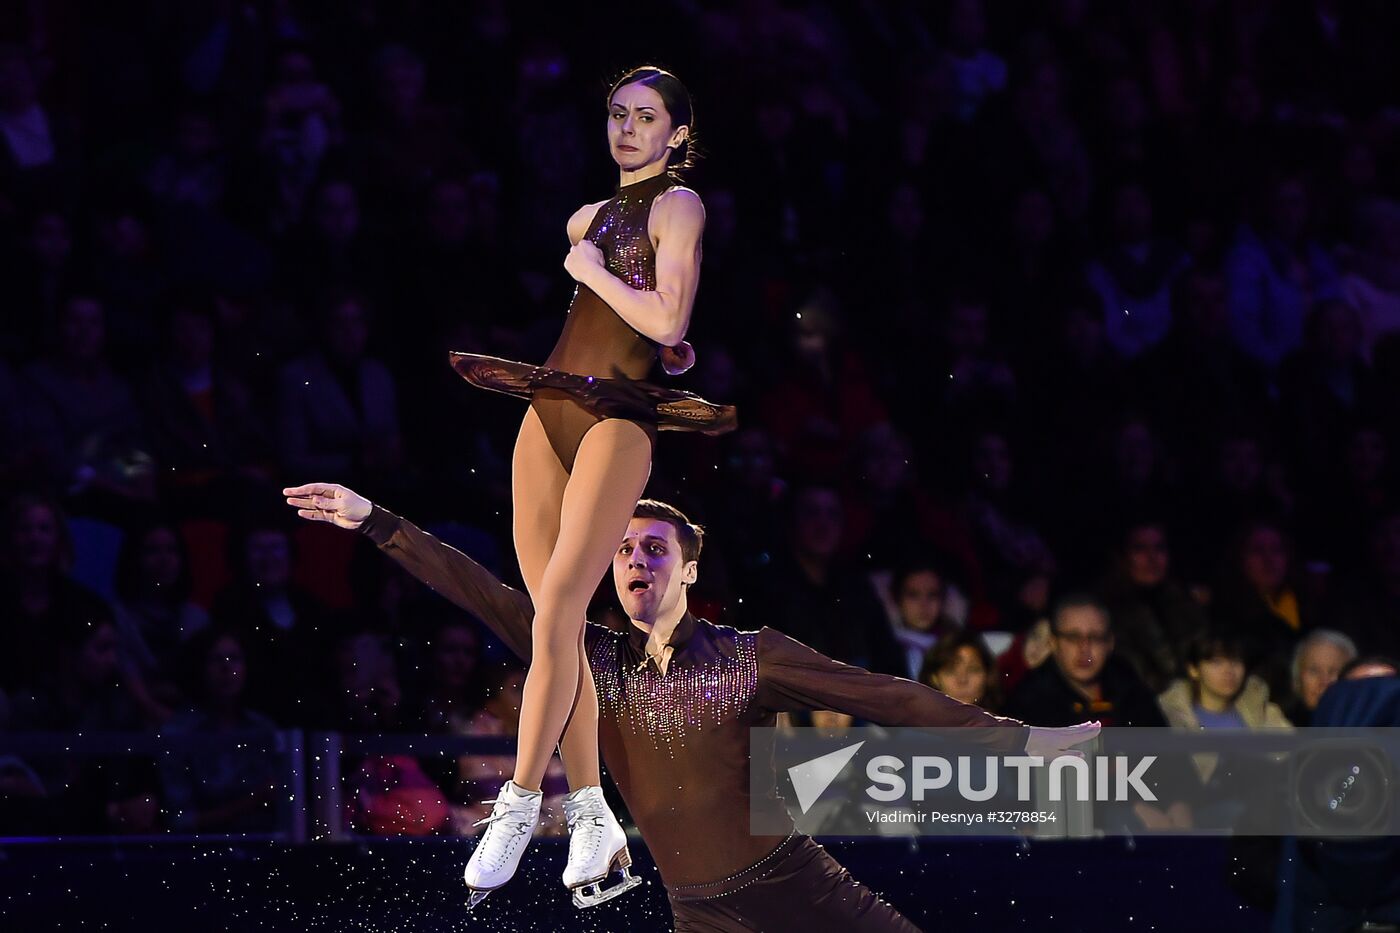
(269, 558)
(83, 329)
(1082, 644)
(649, 572)
(160, 557)
(819, 524)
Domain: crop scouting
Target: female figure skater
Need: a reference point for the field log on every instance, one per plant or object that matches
(582, 460)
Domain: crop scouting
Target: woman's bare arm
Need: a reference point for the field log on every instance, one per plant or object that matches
(677, 224)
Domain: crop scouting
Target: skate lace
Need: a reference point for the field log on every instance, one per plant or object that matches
(586, 824)
(502, 832)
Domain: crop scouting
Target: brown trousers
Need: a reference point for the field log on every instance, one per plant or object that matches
(798, 887)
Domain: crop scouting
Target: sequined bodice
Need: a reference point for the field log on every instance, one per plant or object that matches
(595, 340)
(698, 695)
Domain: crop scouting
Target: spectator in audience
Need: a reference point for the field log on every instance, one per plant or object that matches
(38, 597)
(337, 411)
(1372, 284)
(90, 692)
(154, 613)
(819, 599)
(1318, 661)
(979, 380)
(41, 273)
(1367, 606)
(1083, 678)
(1009, 548)
(1153, 616)
(36, 144)
(824, 399)
(1343, 500)
(283, 624)
(1134, 276)
(366, 691)
(961, 665)
(888, 513)
(301, 124)
(1277, 269)
(1218, 693)
(1325, 386)
(82, 413)
(978, 73)
(1242, 482)
(193, 168)
(1259, 602)
(220, 790)
(1226, 387)
(202, 420)
(451, 684)
(333, 250)
(919, 590)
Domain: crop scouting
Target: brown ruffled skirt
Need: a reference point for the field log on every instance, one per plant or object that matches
(632, 399)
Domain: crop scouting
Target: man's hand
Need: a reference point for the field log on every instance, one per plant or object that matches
(327, 502)
(1052, 743)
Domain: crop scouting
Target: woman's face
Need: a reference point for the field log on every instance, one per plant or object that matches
(1221, 677)
(455, 657)
(1148, 559)
(225, 670)
(965, 679)
(160, 558)
(921, 600)
(1265, 562)
(98, 662)
(639, 128)
(1319, 669)
(34, 540)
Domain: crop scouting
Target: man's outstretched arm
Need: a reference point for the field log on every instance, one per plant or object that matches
(792, 677)
(452, 574)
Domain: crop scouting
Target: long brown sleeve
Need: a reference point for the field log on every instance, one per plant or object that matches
(452, 574)
(792, 677)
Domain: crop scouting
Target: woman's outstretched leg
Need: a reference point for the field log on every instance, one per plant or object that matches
(609, 473)
(538, 478)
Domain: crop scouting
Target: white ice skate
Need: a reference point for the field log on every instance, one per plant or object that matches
(508, 830)
(597, 848)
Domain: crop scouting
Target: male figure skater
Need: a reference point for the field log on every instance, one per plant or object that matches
(677, 697)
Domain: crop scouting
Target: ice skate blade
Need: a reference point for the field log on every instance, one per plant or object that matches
(592, 894)
(476, 896)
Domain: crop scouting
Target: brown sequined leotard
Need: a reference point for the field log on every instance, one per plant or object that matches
(598, 366)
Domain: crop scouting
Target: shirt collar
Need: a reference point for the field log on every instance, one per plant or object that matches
(685, 628)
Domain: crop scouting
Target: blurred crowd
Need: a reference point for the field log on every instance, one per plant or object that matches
(1025, 305)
